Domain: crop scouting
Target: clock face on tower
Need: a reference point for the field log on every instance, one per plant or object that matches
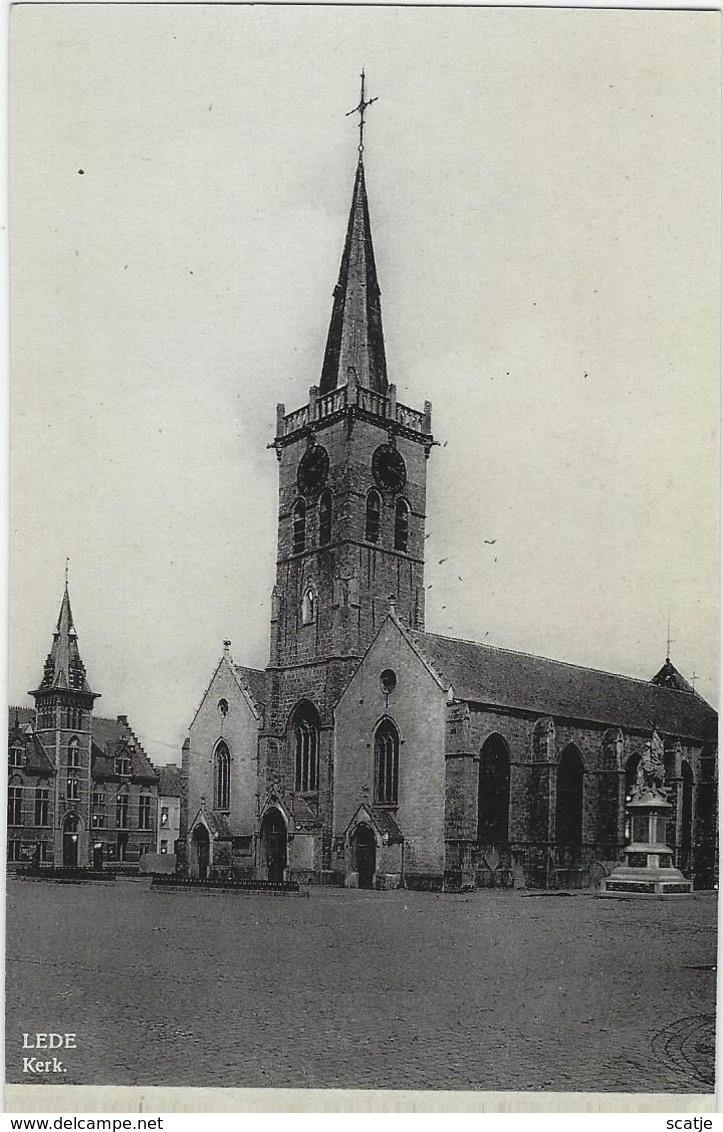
(313, 470)
(388, 468)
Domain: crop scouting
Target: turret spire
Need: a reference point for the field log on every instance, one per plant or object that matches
(356, 340)
(63, 667)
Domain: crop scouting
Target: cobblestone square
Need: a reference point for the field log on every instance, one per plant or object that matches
(491, 991)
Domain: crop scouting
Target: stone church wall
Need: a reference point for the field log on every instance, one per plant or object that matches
(535, 748)
(417, 708)
(239, 728)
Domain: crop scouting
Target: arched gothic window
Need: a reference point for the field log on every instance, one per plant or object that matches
(493, 795)
(325, 518)
(686, 812)
(568, 813)
(73, 753)
(631, 777)
(221, 777)
(299, 529)
(308, 607)
(386, 758)
(401, 525)
(373, 516)
(305, 728)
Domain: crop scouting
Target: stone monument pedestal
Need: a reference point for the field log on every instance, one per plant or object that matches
(648, 870)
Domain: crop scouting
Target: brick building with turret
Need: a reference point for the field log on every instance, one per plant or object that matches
(81, 790)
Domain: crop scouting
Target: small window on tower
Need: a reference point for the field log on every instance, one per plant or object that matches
(401, 525)
(373, 523)
(308, 607)
(299, 531)
(325, 518)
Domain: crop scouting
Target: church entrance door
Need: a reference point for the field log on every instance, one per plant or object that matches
(273, 839)
(365, 855)
(71, 833)
(201, 851)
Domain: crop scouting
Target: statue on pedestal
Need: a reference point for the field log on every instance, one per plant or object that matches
(650, 783)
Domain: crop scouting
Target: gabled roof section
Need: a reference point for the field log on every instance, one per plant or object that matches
(169, 780)
(669, 677)
(255, 682)
(252, 682)
(113, 737)
(502, 678)
(63, 669)
(355, 339)
(381, 820)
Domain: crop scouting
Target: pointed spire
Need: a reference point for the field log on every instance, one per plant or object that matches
(356, 340)
(63, 667)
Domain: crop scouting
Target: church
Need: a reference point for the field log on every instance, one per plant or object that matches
(371, 753)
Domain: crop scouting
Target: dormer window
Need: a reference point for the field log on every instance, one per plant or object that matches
(17, 756)
(123, 765)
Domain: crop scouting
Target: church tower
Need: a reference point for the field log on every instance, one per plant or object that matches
(352, 502)
(63, 713)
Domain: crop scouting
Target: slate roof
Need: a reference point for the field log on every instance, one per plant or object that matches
(499, 677)
(63, 667)
(169, 785)
(355, 337)
(256, 681)
(112, 737)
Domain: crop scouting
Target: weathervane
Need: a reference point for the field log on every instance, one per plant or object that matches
(670, 640)
(67, 564)
(359, 109)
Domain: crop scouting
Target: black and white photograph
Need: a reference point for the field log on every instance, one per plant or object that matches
(364, 557)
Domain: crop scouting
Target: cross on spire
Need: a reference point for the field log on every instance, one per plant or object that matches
(360, 109)
(670, 641)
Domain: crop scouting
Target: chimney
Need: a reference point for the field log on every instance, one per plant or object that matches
(123, 719)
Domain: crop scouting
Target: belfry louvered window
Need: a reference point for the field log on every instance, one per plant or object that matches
(299, 528)
(373, 516)
(401, 525)
(325, 518)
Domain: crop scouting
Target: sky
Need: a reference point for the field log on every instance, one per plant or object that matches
(544, 195)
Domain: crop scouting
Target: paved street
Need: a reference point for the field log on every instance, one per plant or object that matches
(497, 990)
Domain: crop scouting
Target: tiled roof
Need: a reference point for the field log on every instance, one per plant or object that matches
(502, 678)
(169, 785)
(256, 681)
